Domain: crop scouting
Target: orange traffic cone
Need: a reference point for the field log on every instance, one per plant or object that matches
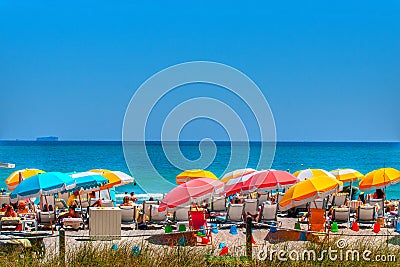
(355, 227)
(377, 228)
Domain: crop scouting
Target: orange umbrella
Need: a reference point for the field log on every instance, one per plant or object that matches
(115, 178)
(193, 174)
(380, 178)
(16, 177)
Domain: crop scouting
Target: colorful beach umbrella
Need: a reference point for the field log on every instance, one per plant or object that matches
(347, 175)
(380, 178)
(308, 173)
(195, 190)
(15, 178)
(43, 184)
(88, 180)
(115, 178)
(194, 174)
(235, 185)
(236, 173)
(269, 180)
(309, 190)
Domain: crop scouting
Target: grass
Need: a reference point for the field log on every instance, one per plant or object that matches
(89, 254)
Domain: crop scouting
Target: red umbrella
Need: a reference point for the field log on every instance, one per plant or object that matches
(195, 190)
(269, 180)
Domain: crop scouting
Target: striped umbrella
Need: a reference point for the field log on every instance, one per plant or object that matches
(195, 190)
(115, 178)
(16, 177)
(308, 190)
(194, 174)
(235, 185)
(347, 175)
(236, 173)
(269, 180)
(380, 178)
(308, 173)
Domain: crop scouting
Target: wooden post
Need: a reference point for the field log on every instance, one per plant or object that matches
(249, 245)
(61, 241)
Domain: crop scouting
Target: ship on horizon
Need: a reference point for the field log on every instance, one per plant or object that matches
(47, 139)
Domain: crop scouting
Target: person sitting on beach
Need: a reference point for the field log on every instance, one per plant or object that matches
(3, 207)
(10, 212)
(127, 201)
(72, 213)
(151, 199)
(133, 198)
(22, 208)
(379, 194)
(72, 199)
(45, 208)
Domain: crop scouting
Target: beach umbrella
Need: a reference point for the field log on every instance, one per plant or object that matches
(115, 178)
(308, 173)
(380, 178)
(195, 190)
(235, 185)
(43, 184)
(88, 180)
(236, 173)
(308, 190)
(194, 174)
(16, 177)
(269, 180)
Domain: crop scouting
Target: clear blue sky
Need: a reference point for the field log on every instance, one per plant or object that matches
(330, 70)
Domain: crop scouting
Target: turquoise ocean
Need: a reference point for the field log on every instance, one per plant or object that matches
(68, 156)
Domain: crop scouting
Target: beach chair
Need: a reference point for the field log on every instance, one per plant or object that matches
(108, 203)
(198, 221)
(156, 216)
(218, 204)
(234, 214)
(9, 223)
(317, 223)
(262, 197)
(74, 223)
(5, 199)
(380, 203)
(366, 215)
(181, 216)
(339, 200)
(128, 214)
(269, 213)
(44, 218)
(146, 206)
(251, 207)
(340, 215)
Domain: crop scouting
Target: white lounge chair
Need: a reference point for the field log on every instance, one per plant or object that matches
(128, 214)
(339, 200)
(269, 213)
(366, 215)
(380, 203)
(319, 203)
(251, 207)
(262, 197)
(156, 216)
(234, 214)
(340, 215)
(44, 217)
(218, 204)
(146, 206)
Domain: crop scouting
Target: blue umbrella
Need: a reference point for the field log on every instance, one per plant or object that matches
(88, 180)
(43, 184)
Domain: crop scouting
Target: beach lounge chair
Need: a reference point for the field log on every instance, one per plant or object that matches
(380, 203)
(128, 214)
(74, 223)
(366, 215)
(339, 200)
(44, 218)
(181, 216)
(234, 214)
(251, 207)
(269, 213)
(340, 215)
(146, 206)
(10, 223)
(317, 223)
(156, 216)
(218, 204)
(197, 221)
(262, 197)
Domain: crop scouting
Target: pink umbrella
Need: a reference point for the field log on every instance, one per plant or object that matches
(195, 190)
(235, 185)
(269, 180)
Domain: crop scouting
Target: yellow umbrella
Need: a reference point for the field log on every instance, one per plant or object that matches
(347, 175)
(309, 190)
(193, 174)
(380, 178)
(115, 178)
(14, 179)
(308, 173)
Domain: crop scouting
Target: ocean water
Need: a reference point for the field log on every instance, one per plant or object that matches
(292, 156)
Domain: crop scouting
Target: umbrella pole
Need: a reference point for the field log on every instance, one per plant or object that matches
(351, 194)
(51, 223)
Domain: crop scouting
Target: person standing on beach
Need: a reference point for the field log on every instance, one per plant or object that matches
(133, 198)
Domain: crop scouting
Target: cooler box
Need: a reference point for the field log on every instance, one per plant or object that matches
(105, 222)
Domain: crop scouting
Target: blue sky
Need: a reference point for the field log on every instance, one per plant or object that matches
(329, 70)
